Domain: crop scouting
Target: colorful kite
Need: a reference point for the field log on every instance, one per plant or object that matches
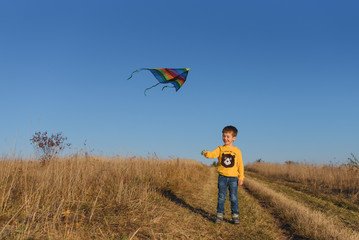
(175, 76)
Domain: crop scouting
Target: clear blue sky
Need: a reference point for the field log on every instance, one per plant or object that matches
(285, 73)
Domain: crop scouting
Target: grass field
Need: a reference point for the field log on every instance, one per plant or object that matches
(136, 198)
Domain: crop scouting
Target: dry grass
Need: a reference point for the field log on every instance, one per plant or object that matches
(136, 198)
(340, 213)
(303, 221)
(96, 198)
(328, 179)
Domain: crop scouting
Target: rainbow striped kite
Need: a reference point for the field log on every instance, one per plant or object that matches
(175, 76)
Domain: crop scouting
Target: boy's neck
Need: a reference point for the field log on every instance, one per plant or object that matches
(230, 145)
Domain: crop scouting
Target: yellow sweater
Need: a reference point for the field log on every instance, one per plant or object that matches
(230, 162)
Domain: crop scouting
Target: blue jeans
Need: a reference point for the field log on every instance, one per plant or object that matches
(224, 183)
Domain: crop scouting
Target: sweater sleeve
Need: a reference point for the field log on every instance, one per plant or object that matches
(240, 167)
(214, 153)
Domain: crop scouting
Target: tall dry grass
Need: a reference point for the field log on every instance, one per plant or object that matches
(303, 221)
(78, 198)
(328, 179)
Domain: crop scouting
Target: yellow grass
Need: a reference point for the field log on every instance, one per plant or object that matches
(304, 221)
(78, 198)
(138, 198)
(328, 179)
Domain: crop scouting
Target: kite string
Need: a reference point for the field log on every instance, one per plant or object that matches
(155, 86)
(150, 88)
(135, 72)
(167, 87)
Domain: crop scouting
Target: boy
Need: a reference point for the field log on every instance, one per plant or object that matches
(231, 172)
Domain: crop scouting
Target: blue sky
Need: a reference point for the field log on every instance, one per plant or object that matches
(285, 73)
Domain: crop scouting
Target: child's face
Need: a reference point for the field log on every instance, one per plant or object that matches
(228, 138)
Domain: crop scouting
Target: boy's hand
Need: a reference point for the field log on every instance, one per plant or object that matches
(204, 153)
(240, 182)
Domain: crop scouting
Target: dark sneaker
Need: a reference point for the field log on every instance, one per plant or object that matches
(219, 217)
(235, 218)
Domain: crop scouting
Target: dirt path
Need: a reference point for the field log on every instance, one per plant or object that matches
(192, 216)
(299, 212)
(347, 217)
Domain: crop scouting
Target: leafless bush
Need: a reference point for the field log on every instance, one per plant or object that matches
(48, 147)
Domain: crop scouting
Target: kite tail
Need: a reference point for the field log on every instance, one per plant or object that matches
(150, 88)
(135, 72)
(167, 87)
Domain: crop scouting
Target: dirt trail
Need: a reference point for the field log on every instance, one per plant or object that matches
(191, 216)
(348, 217)
(299, 212)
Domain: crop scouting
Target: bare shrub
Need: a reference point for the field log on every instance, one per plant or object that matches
(48, 146)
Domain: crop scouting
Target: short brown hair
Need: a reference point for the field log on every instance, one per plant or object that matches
(230, 129)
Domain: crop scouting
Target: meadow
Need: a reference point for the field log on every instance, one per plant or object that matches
(82, 197)
(341, 181)
(318, 202)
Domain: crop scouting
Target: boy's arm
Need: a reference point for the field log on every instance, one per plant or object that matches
(240, 169)
(240, 182)
(213, 154)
